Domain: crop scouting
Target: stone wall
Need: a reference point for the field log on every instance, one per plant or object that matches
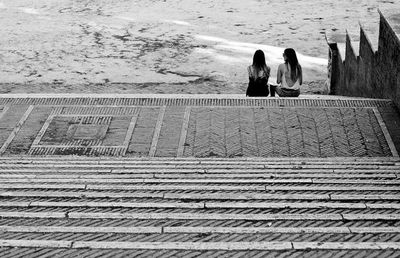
(374, 74)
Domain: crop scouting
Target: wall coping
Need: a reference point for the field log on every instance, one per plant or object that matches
(392, 18)
(166, 96)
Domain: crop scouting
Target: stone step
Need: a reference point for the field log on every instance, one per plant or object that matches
(181, 207)
(201, 195)
(109, 222)
(200, 205)
(202, 166)
(12, 252)
(199, 230)
(23, 179)
(182, 172)
(203, 162)
(200, 216)
(123, 178)
(191, 159)
(196, 212)
(185, 237)
(206, 194)
(231, 246)
(185, 187)
(54, 159)
(206, 165)
(265, 175)
(79, 206)
(205, 237)
(197, 172)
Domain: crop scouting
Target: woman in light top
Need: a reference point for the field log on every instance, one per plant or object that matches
(290, 76)
(258, 76)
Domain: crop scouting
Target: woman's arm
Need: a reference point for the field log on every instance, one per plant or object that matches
(249, 71)
(279, 75)
(301, 75)
(268, 72)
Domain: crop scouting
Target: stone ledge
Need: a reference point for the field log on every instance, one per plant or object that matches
(235, 100)
(166, 96)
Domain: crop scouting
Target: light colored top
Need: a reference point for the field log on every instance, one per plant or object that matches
(284, 79)
(295, 86)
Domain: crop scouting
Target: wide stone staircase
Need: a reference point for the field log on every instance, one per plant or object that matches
(187, 207)
(199, 176)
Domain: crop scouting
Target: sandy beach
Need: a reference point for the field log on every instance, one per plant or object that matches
(174, 46)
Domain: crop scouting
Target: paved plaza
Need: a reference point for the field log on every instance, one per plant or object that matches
(198, 127)
(198, 176)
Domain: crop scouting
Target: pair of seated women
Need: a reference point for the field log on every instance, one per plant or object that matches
(289, 77)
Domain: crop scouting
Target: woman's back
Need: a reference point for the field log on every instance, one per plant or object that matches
(255, 72)
(289, 77)
(287, 80)
(258, 81)
(258, 76)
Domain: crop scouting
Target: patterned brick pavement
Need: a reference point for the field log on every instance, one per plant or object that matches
(199, 177)
(202, 127)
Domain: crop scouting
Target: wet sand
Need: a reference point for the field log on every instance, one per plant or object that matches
(174, 46)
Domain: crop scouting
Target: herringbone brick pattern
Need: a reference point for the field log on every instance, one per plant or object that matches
(198, 177)
(248, 133)
(284, 132)
(280, 138)
(263, 132)
(49, 127)
(233, 140)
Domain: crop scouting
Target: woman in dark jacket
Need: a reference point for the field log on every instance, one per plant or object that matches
(258, 76)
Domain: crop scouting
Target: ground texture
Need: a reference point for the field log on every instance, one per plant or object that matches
(198, 127)
(177, 46)
(161, 176)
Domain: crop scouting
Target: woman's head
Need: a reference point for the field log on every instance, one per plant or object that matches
(290, 57)
(259, 59)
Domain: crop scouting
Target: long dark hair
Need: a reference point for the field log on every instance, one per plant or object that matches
(295, 67)
(259, 62)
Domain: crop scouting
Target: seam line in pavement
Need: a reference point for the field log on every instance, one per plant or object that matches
(184, 130)
(16, 129)
(42, 131)
(129, 133)
(4, 111)
(157, 131)
(386, 133)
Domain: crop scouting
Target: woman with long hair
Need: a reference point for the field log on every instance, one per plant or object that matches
(290, 76)
(258, 76)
